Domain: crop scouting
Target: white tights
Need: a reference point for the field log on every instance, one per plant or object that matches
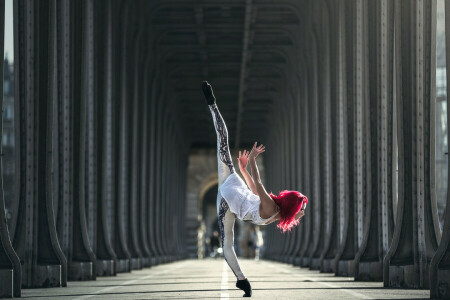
(225, 216)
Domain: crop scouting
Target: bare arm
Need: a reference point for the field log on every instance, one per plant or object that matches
(243, 160)
(258, 184)
(249, 181)
(267, 202)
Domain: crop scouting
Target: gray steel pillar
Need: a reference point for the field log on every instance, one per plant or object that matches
(324, 101)
(82, 259)
(353, 110)
(143, 176)
(63, 130)
(377, 224)
(341, 133)
(106, 256)
(134, 143)
(159, 137)
(120, 236)
(315, 206)
(152, 170)
(307, 224)
(440, 263)
(10, 270)
(416, 233)
(35, 237)
(331, 40)
(298, 164)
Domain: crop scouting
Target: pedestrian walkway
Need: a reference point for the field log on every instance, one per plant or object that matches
(212, 279)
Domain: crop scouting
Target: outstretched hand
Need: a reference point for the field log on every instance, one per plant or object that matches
(243, 160)
(256, 151)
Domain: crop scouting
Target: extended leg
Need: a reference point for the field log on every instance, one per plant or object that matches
(225, 164)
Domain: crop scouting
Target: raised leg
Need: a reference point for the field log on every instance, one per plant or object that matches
(225, 164)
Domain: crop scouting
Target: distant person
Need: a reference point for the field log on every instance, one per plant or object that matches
(215, 243)
(252, 203)
(257, 241)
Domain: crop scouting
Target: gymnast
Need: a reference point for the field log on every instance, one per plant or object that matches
(248, 202)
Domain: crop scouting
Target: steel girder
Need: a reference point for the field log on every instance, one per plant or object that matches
(416, 233)
(329, 137)
(104, 126)
(81, 258)
(353, 115)
(378, 223)
(375, 106)
(106, 256)
(88, 148)
(35, 238)
(10, 270)
(440, 263)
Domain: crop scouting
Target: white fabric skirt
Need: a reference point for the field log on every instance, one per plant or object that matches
(239, 197)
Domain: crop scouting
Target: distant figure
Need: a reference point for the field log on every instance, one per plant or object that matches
(257, 241)
(252, 203)
(215, 244)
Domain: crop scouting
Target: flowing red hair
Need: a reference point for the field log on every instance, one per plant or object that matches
(290, 203)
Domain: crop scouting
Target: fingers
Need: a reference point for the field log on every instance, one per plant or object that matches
(243, 154)
(258, 147)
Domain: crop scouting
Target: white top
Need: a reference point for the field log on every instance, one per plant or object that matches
(241, 200)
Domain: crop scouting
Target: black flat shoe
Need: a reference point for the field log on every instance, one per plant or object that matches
(245, 286)
(207, 90)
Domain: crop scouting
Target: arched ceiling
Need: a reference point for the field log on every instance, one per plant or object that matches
(243, 48)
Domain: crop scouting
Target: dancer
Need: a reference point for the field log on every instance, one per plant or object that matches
(252, 203)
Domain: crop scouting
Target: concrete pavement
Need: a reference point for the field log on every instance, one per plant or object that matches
(212, 279)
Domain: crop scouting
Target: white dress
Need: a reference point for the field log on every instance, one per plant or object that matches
(241, 200)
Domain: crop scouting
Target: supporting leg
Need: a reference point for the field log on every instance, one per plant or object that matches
(226, 226)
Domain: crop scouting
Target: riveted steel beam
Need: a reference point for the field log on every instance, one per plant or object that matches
(134, 141)
(305, 157)
(10, 270)
(369, 259)
(35, 237)
(440, 263)
(120, 237)
(354, 91)
(62, 133)
(416, 234)
(106, 256)
(82, 261)
(315, 207)
(143, 176)
(243, 69)
(329, 117)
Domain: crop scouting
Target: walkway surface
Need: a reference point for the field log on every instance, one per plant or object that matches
(212, 279)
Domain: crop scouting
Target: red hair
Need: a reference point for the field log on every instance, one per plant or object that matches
(290, 203)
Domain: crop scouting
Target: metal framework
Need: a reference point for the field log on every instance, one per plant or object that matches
(367, 101)
(108, 105)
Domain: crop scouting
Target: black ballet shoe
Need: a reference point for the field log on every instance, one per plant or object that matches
(207, 90)
(245, 286)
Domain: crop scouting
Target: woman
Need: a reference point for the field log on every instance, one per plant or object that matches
(252, 203)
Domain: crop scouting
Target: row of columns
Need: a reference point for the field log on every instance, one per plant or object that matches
(357, 137)
(97, 192)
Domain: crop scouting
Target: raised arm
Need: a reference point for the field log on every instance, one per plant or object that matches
(243, 160)
(263, 195)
